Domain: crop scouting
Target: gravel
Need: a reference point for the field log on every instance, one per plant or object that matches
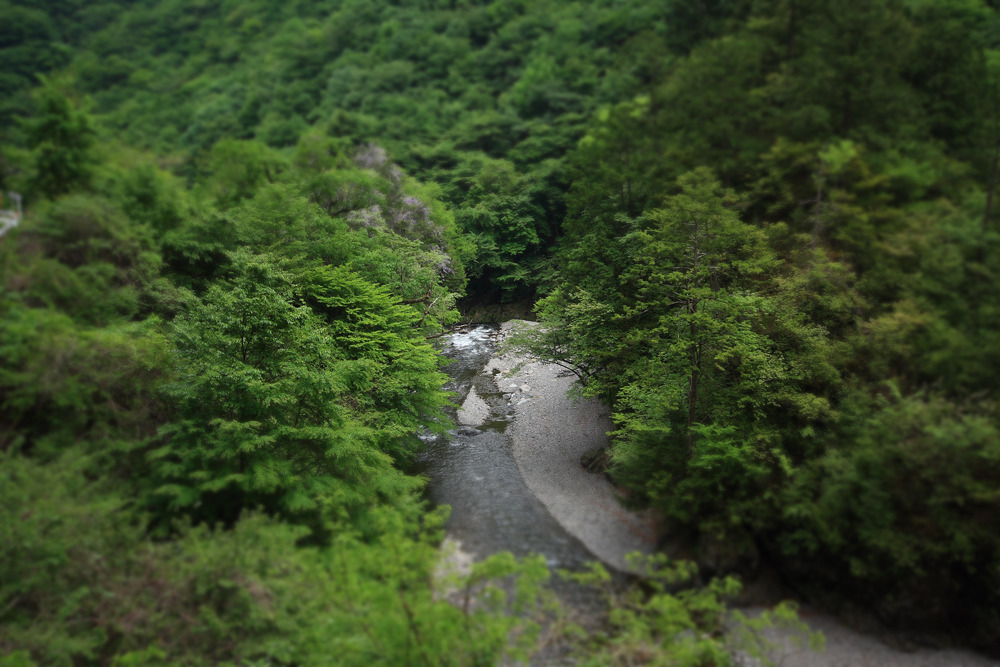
(846, 647)
(550, 432)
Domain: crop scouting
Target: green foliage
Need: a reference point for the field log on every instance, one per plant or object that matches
(365, 322)
(272, 408)
(670, 621)
(153, 197)
(83, 255)
(236, 169)
(504, 220)
(60, 384)
(798, 345)
(298, 380)
(438, 85)
(61, 137)
(682, 345)
(912, 490)
(747, 338)
(80, 582)
(29, 44)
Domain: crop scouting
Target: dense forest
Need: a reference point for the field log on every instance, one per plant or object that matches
(765, 232)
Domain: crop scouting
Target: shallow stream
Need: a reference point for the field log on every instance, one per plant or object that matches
(474, 471)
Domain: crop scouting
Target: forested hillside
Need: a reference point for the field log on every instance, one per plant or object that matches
(782, 273)
(483, 99)
(764, 231)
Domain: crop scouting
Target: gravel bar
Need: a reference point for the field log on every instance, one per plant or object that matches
(550, 432)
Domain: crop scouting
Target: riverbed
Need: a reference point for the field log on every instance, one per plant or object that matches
(511, 472)
(473, 470)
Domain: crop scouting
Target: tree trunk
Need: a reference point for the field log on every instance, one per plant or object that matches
(692, 383)
(991, 186)
(693, 330)
(790, 39)
(818, 206)
(847, 119)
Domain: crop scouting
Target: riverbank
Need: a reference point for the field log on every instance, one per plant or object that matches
(549, 434)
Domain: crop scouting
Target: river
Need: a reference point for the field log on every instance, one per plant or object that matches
(476, 472)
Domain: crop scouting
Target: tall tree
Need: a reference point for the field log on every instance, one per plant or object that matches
(272, 409)
(61, 136)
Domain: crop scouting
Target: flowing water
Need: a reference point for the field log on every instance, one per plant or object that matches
(474, 471)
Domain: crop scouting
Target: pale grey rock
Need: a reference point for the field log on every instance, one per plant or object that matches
(474, 411)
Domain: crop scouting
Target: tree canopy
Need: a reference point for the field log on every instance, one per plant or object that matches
(764, 233)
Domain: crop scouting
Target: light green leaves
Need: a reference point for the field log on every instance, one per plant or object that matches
(279, 407)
